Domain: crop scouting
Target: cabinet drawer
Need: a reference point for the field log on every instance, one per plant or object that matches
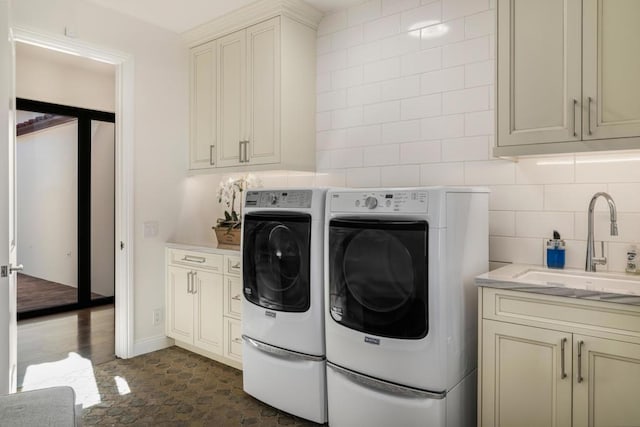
(233, 297)
(533, 309)
(233, 339)
(232, 265)
(201, 260)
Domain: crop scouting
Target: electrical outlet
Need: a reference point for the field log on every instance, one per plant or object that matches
(157, 316)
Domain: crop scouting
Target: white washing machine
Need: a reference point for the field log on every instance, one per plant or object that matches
(401, 304)
(283, 356)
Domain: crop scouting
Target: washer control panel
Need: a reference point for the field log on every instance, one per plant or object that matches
(279, 199)
(380, 201)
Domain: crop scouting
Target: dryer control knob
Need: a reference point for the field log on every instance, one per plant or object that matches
(371, 202)
(274, 199)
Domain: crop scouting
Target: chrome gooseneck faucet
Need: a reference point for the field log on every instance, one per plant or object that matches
(592, 261)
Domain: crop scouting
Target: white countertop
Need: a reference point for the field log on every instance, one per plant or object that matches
(200, 248)
(623, 288)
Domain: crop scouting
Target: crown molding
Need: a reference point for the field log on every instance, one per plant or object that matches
(256, 12)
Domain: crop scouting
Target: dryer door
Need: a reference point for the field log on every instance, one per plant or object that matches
(275, 256)
(378, 276)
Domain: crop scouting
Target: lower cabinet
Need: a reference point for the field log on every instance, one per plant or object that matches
(541, 366)
(204, 303)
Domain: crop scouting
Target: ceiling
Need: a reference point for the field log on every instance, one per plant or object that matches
(180, 16)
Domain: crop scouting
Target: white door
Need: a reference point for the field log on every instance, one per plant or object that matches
(8, 327)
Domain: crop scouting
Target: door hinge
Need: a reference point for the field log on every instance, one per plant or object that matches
(4, 270)
(121, 246)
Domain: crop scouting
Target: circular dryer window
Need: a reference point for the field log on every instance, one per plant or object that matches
(378, 270)
(282, 269)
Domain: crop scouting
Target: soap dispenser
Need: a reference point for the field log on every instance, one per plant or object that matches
(555, 251)
(632, 260)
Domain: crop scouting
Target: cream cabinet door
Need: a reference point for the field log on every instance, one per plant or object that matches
(526, 376)
(233, 297)
(231, 98)
(203, 88)
(233, 339)
(539, 71)
(607, 382)
(179, 322)
(263, 92)
(208, 333)
(611, 69)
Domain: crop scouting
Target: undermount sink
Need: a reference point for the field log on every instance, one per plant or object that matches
(582, 280)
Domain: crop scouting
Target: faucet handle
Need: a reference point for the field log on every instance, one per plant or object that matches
(603, 259)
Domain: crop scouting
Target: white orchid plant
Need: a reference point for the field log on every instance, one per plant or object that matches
(230, 190)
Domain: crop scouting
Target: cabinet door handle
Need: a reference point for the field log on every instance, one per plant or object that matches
(580, 344)
(237, 298)
(237, 340)
(236, 265)
(194, 288)
(189, 281)
(246, 151)
(589, 114)
(562, 345)
(192, 258)
(575, 107)
(211, 162)
(240, 159)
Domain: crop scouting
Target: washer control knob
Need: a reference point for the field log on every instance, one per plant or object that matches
(274, 199)
(371, 202)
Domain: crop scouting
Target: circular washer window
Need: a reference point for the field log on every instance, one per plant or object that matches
(378, 271)
(284, 259)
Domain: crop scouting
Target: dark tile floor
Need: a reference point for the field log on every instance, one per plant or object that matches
(174, 387)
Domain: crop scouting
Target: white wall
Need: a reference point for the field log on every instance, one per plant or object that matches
(102, 208)
(161, 130)
(47, 203)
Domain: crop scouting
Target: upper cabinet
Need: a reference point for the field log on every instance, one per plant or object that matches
(568, 76)
(253, 90)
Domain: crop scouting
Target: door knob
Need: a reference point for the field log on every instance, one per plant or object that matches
(18, 267)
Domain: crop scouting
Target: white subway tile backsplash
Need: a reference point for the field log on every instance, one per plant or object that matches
(364, 53)
(400, 176)
(460, 149)
(442, 174)
(480, 24)
(421, 106)
(332, 61)
(382, 70)
(323, 82)
(323, 121)
(347, 117)
(465, 52)
(443, 127)
(364, 135)
(363, 177)
(545, 170)
(381, 155)
(421, 17)
(323, 44)
(347, 38)
(452, 9)
(466, 100)
(442, 34)
(404, 87)
(382, 112)
(480, 123)
(365, 94)
(608, 167)
(381, 28)
(364, 12)
(626, 196)
(331, 140)
(331, 179)
(399, 45)
(442, 80)
(349, 158)
(502, 223)
(331, 100)
(323, 160)
(420, 152)
(332, 23)
(421, 61)
(574, 254)
(516, 198)
(571, 197)
(394, 6)
(542, 224)
(628, 226)
(479, 74)
(490, 172)
(403, 131)
(515, 250)
(346, 78)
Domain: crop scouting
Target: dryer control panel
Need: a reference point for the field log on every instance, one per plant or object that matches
(380, 201)
(279, 199)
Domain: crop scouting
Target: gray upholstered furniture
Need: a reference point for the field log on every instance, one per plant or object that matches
(53, 407)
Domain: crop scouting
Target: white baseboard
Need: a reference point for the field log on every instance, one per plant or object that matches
(149, 345)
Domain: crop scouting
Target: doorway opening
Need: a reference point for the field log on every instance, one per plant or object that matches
(66, 208)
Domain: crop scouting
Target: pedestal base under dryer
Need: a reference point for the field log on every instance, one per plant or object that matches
(288, 381)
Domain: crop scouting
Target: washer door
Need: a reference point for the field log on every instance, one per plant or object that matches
(378, 276)
(276, 260)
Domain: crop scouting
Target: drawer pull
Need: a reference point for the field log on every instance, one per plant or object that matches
(236, 265)
(237, 340)
(562, 344)
(237, 298)
(192, 258)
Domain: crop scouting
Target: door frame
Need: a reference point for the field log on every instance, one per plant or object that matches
(124, 214)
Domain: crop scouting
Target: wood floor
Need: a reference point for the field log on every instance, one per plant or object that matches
(89, 333)
(35, 293)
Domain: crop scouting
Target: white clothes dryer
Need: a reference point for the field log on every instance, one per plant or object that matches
(401, 304)
(284, 361)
